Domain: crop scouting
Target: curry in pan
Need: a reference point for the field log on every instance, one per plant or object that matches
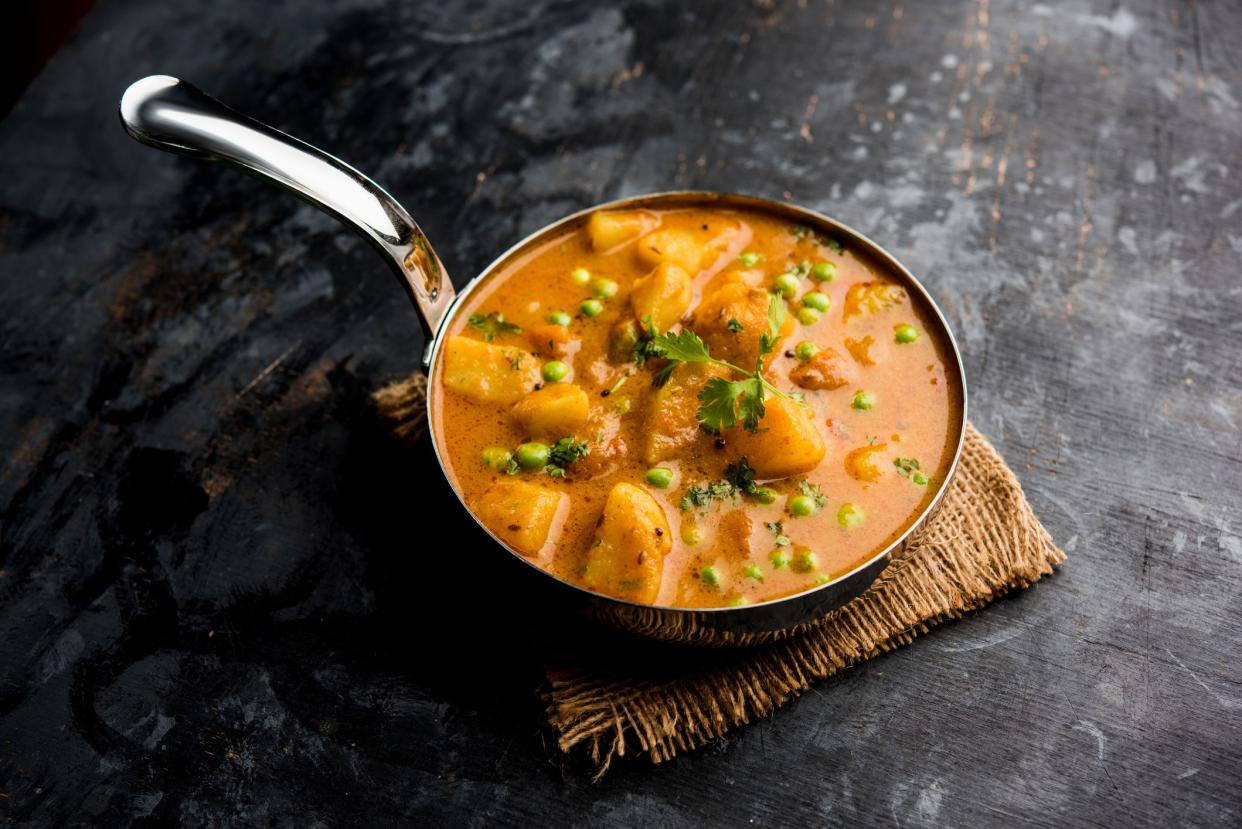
(695, 407)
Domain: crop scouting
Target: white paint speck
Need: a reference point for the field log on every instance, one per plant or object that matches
(935, 77)
(949, 61)
(896, 92)
(1095, 732)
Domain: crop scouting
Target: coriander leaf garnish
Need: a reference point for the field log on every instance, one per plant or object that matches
(905, 466)
(566, 451)
(492, 325)
(812, 491)
(742, 476)
(645, 347)
(778, 529)
(909, 468)
(702, 496)
(724, 402)
(833, 244)
(735, 326)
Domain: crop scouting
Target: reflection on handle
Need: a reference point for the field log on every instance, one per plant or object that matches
(172, 115)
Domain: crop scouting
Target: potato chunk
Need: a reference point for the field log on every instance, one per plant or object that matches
(788, 442)
(553, 411)
(522, 515)
(609, 228)
(662, 295)
(487, 373)
(827, 369)
(746, 304)
(870, 297)
(626, 558)
(861, 463)
(677, 247)
(672, 422)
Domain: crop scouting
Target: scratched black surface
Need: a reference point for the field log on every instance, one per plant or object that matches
(217, 579)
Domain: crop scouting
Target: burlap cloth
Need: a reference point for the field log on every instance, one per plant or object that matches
(641, 698)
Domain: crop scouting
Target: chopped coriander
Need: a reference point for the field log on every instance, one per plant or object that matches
(778, 529)
(703, 496)
(742, 476)
(735, 326)
(645, 347)
(905, 466)
(565, 452)
(492, 325)
(919, 479)
(764, 495)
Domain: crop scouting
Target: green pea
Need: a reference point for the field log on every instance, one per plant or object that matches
(580, 276)
(604, 288)
(806, 350)
(559, 318)
(821, 579)
(533, 455)
(905, 333)
(779, 558)
(807, 315)
(710, 576)
(740, 601)
(786, 285)
(749, 259)
(863, 400)
(497, 458)
(764, 495)
(659, 477)
(801, 506)
(752, 571)
(805, 561)
(919, 479)
(554, 371)
(818, 301)
(824, 271)
(591, 307)
(850, 516)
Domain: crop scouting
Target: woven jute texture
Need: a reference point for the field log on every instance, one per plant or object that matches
(636, 698)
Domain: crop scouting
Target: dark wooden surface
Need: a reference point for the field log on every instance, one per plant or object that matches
(217, 598)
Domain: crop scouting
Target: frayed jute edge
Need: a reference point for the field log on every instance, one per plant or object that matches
(984, 542)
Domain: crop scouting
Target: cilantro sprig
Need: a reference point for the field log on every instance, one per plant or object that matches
(565, 452)
(723, 403)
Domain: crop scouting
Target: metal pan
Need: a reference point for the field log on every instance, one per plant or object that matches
(172, 115)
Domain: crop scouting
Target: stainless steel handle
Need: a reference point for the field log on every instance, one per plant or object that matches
(172, 115)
